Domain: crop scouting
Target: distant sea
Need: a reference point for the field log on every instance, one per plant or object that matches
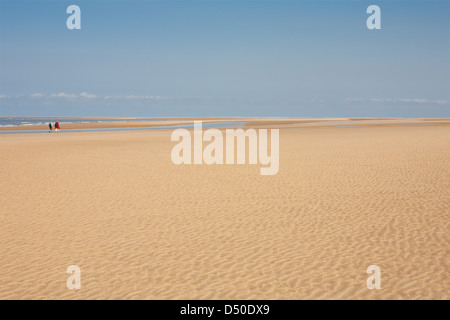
(33, 121)
(30, 121)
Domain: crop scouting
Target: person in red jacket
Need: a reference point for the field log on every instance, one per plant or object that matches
(57, 126)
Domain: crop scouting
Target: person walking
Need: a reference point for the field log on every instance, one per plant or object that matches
(50, 127)
(57, 128)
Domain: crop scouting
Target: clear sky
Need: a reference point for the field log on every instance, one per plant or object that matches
(225, 58)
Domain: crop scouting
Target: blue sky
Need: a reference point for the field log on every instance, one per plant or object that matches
(225, 58)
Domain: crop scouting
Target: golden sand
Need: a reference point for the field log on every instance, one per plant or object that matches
(140, 227)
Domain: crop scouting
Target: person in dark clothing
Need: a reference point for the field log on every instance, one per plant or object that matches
(50, 127)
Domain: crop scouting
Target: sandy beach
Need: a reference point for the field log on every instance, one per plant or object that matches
(349, 193)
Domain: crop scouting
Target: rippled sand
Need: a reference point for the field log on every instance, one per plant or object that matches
(141, 227)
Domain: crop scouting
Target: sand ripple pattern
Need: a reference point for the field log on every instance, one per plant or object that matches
(140, 227)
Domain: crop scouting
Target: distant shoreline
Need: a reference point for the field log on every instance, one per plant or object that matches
(122, 123)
